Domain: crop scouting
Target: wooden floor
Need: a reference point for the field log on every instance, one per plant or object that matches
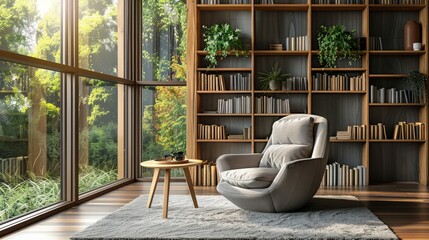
(403, 207)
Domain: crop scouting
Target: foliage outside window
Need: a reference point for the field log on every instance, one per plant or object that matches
(164, 59)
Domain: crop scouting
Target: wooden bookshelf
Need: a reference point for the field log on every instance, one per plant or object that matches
(263, 24)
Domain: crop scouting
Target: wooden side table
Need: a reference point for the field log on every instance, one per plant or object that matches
(167, 168)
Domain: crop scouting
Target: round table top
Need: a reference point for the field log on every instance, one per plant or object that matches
(155, 164)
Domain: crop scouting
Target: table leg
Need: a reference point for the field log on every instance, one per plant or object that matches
(190, 186)
(153, 186)
(166, 192)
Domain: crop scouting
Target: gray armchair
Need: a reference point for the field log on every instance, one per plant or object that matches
(286, 175)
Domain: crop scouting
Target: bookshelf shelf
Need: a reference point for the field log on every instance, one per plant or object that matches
(280, 92)
(397, 104)
(338, 92)
(396, 52)
(273, 114)
(224, 7)
(223, 115)
(395, 141)
(224, 140)
(224, 69)
(231, 53)
(387, 75)
(224, 92)
(338, 7)
(281, 7)
(265, 24)
(396, 7)
(347, 140)
(338, 69)
(278, 52)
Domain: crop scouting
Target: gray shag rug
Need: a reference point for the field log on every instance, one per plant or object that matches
(325, 217)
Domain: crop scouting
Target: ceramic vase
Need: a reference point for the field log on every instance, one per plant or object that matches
(411, 34)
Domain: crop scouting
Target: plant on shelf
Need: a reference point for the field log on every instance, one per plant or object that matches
(273, 78)
(418, 81)
(335, 43)
(220, 40)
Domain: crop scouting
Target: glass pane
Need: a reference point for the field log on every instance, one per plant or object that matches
(30, 139)
(31, 27)
(164, 40)
(98, 35)
(163, 123)
(99, 160)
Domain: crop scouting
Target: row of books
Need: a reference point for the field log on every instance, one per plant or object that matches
(409, 131)
(356, 132)
(375, 43)
(247, 134)
(266, 104)
(265, 1)
(323, 81)
(338, 1)
(236, 105)
(213, 82)
(211, 131)
(299, 43)
(397, 1)
(344, 175)
(224, 1)
(205, 174)
(295, 83)
(377, 131)
(392, 95)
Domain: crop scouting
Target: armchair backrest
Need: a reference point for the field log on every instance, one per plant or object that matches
(320, 135)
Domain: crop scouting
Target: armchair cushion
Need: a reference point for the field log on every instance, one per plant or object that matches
(277, 155)
(250, 177)
(294, 131)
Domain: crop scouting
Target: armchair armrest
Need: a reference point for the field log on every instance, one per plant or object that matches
(235, 161)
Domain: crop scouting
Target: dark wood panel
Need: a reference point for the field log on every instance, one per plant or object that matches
(211, 151)
(346, 153)
(395, 65)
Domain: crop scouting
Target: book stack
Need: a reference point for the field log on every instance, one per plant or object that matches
(397, 2)
(338, 2)
(205, 174)
(295, 83)
(239, 82)
(325, 82)
(375, 43)
(211, 82)
(276, 46)
(211, 131)
(239, 105)
(377, 131)
(266, 104)
(409, 131)
(392, 95)
(299, 43)
(354, 132)
(343, 175)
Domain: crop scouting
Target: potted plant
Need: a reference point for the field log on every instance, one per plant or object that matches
(418, 81)
(273, 78)
(221, 39)
(335, 43)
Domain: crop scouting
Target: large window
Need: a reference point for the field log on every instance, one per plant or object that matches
(164, 65)
(99, 162)
(98, 35)
(30, 142)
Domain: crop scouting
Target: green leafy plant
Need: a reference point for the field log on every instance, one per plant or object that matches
(335, 43)
(221, 39)
(275, 74)
(418, 81)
